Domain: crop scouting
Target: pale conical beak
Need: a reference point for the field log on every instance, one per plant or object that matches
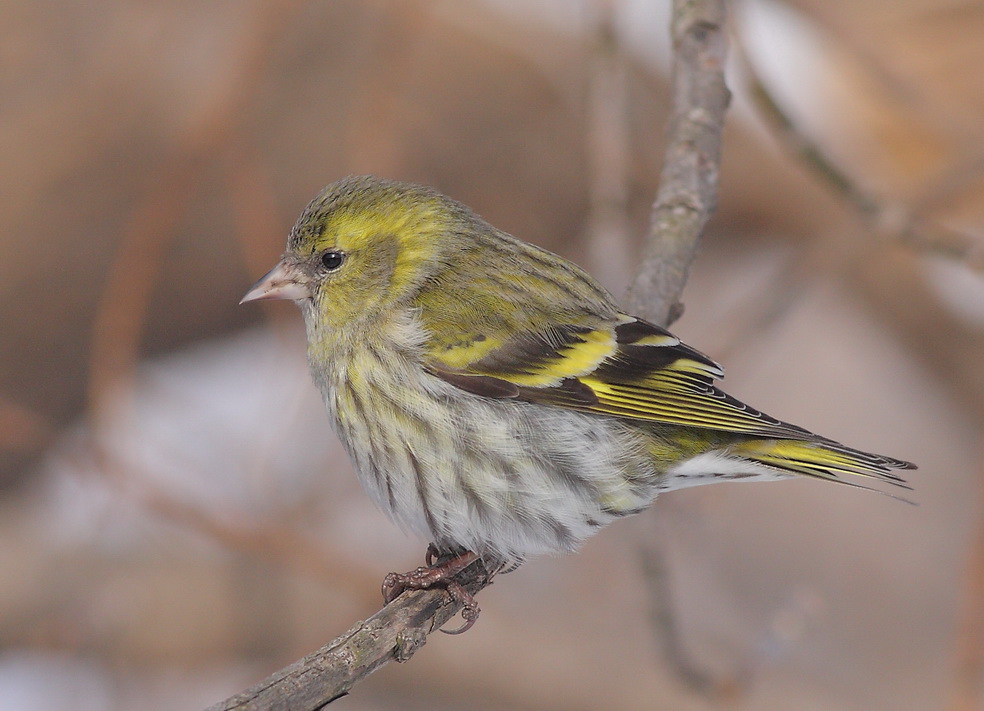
(281, 282)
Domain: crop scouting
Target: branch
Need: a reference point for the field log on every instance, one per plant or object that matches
(887, 219)
(688, 184)
(392, 634)
(608, 148)
(685, 202)
(21, 429)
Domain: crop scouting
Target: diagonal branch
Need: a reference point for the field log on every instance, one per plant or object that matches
(890, 220)
(392, 634)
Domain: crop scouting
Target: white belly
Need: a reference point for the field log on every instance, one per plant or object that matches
(501, 478)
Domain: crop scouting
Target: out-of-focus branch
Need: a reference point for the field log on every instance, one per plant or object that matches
(21, 429)
(608, 146)
(257, 538)
(664, 621)
(891, 77)
(392, 634)
(688, 184)
(138, 264)
(889, 220)
(138, 261)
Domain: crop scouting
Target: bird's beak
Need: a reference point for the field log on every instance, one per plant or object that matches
(281, 282)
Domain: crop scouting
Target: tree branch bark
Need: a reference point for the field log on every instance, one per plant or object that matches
(688, 184)
(392, 634)
(686, 199)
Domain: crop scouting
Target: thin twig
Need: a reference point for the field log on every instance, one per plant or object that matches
(21, 429)
(889, 220)
(688, 184)
(890, 77)
(664, 621)
(608, 149)
(139, 259)
(280, 545)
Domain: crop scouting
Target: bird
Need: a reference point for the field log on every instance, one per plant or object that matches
(495, 399)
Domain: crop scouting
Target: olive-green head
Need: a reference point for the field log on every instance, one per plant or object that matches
(362, 245)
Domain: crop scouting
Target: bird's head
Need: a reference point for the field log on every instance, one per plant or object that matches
(361, 246)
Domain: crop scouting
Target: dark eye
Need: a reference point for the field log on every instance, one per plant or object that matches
(332, 260)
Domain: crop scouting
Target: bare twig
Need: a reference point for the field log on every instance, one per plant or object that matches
(392, 634)
(21, 429)
(889, 220)
(139, 258)
(891, 78)
(688, 184)
(608, 149)
(664, 621)
(261, 539)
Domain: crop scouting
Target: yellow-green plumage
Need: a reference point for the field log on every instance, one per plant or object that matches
(493, 397)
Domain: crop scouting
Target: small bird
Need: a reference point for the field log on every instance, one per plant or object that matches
(495, 399)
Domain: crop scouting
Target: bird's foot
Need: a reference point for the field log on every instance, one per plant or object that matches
(437, 573)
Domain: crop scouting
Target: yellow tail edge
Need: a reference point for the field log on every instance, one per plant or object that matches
(825, 459)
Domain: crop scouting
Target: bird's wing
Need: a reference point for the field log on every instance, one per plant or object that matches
(624, 367)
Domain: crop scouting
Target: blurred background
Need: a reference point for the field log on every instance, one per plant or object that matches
(176, 519)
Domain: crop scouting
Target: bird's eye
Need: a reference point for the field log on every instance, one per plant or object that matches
(332, 260)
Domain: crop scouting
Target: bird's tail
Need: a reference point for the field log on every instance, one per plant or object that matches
(823, 459)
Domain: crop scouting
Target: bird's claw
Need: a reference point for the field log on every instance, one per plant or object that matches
(439, 574)
(418, 579)
(469, 606)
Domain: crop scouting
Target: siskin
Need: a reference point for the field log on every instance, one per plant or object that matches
(494, 398)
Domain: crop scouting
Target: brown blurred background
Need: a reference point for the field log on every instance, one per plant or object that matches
(177, 521)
